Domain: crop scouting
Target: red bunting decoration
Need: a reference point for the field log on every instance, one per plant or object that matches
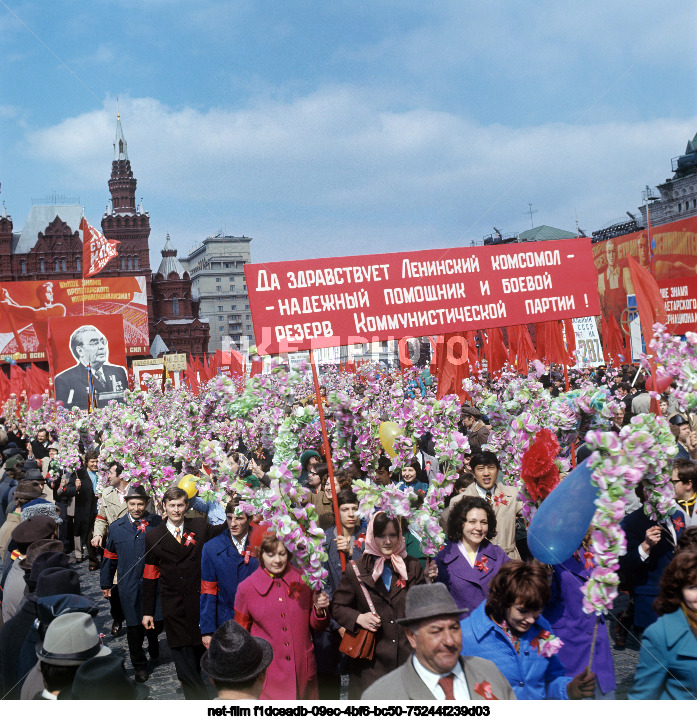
(539, 472)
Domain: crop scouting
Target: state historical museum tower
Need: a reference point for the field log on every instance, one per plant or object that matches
(130, 226)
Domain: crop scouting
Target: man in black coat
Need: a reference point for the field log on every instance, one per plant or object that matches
(173, 562)
(90, 348)
(82, 486)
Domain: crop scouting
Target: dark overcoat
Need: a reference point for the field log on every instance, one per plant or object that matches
(124, 554)
(391, 646)
(85, 502)
(222, 570)
(175, 568)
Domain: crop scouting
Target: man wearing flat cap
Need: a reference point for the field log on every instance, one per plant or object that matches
(477, 432)
(236, 662)
(436, 670)
(124, 555)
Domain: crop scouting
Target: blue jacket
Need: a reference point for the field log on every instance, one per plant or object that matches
(575, 627)
(644, 576)
(667, 661)
(532, 676)
(469, 586)
(222, 570)
(124, 554)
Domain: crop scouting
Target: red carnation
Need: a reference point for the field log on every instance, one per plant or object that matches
(539, 472)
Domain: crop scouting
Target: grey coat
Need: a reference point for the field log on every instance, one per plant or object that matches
(404, 684)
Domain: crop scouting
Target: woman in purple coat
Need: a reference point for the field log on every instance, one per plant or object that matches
(468, 562)
(575, 627)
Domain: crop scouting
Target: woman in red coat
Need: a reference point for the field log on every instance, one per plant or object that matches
(275, 604)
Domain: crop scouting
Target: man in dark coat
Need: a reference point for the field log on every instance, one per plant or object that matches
(125, 554)
(225, 563)
(173, 561)
(650, 548)
(82, 485)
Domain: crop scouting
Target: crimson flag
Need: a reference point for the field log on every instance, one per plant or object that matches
(97, 251)
(453, 365)
(404, 357)
(38, 380)
(4, 386)
(649, 301)
(18, 381)
(525, 347)
(497, 354)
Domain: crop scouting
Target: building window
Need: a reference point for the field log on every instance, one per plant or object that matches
(246, 307)
(78, 264)
(135, 262)
(249, 327)
(232, 287)
(23, 266)
(64, 265)
(221, 328)
(679, 207)
(123, 263)
(228, 265)
(244, 287)
(233, 307)
(56, 265)
(175, 305)
(219, 288)
(220, 307)
(42, 266)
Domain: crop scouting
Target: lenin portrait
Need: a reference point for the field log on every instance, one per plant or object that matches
(90, 347)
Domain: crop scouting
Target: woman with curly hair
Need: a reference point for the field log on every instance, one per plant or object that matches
(509, 630)
(469, 561)
(668, 658)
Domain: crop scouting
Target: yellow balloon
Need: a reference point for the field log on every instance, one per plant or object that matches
(388, 432)
(188, 484)
(17, 355)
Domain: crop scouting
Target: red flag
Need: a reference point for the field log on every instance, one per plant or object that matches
(18, 381)
(404, 357)
(512, 332)
(649, 301)
(453, 365)
(257, 368)
(554, 349)
(497, 355)
(4, 386)
(525, 347)
(38, 379)
(97, 251)
(570, 338)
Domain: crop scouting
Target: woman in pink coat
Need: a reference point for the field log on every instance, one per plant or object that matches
(275, 604)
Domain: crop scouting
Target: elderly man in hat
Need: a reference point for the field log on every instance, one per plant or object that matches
(436, 670)
(25, 492)
(33, 529)
(125, 554)
(477, 432)
(236, 662)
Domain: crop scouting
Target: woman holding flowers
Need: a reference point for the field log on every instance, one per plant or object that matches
(275, 604)
(668, 658)
(386, 572)
(469, 561)
(509, 630)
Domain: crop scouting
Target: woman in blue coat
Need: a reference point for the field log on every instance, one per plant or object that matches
(668, 658)
(468, 562)
(509, 630)
(575, 627)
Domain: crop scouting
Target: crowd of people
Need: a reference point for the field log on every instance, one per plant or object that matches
(479, 620)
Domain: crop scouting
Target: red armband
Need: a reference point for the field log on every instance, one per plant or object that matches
(243, 619)
(152, 573)
(209, 587)
(110, 554)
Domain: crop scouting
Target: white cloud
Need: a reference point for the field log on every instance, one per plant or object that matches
(340, 172)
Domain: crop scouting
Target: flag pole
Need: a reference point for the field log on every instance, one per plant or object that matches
(328, 455)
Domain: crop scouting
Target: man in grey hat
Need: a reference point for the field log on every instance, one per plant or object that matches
(436, 670)
(477, 432)
(236, 662)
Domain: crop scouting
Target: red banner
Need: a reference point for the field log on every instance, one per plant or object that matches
(27, 306)
(97, 250)
(88, 354)
(329, 302)
(670, 255)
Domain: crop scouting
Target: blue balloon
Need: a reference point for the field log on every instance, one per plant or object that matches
(561, 522)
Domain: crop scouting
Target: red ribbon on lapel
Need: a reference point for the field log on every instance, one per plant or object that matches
(481, 565)
(360, 540)
(246, 556)
(678, 524)
(189, 538)
(501, 499)
(294, 589)
(588, 558)
(483, 688)
(142, 526)
(401, 583)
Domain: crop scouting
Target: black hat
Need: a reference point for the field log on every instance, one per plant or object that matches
(678, 420)
(234, 655)
(471, 411)
(31, 464)
(136, 492)
(57, 580)
(49, 608)
(43, 545)
(104, 678)
(32, 474)
(33, 529)
(429, 601)
(28, 490)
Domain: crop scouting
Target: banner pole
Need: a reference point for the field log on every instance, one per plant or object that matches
(328, 455)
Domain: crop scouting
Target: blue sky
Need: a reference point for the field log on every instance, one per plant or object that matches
(332, 127)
